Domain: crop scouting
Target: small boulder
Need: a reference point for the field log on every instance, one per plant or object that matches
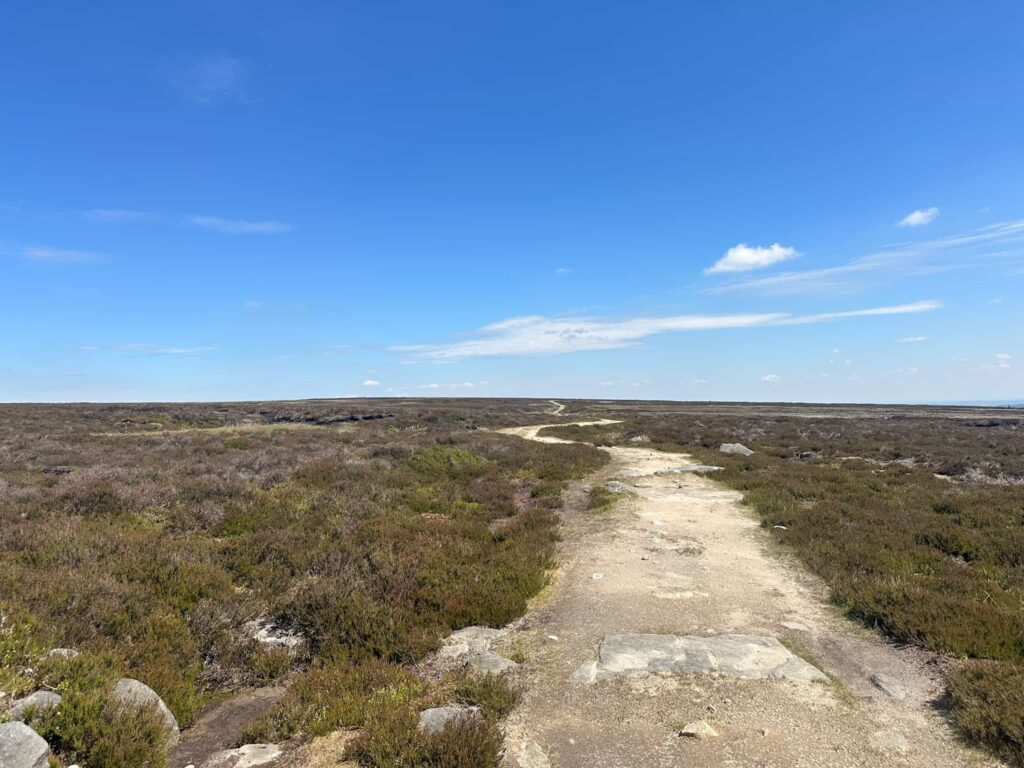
(131, 692)
(489, 663)
(889, 685)
(61, 653)
(737, 448)
(246, 756)
(436, 719)
(889, 742)
(21, 747)
(616, 487)
(38, 702)
(699, 729)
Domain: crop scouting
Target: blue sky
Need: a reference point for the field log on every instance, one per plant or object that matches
(736, 200)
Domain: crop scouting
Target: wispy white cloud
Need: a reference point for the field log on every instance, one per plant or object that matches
(562, 271)
(212, 77)
(998, 244)
(371, 383)
(115, 214)
(771, 378)
(1003, 360)
(145, 349)
(919, 217)
(254, 304)
(239, 226)
(59, 255)
(911, 339)
(457, 385)
(743, 258)
(153, 349)
(537, 335)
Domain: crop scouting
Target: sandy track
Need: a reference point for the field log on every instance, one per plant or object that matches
(635, 569)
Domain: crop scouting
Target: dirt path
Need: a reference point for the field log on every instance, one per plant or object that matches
(680, 556)
(558, 408)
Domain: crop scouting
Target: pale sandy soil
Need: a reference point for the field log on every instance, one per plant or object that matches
(633, 569)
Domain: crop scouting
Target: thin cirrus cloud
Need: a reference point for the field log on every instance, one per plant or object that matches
(919, 217)
(911, 339)
(212, 77)
(744, 258)
(997, 245)
(107, 215)
(59, 255)
(543, 336)
(239, 226)
(771, 378)
(145, 349)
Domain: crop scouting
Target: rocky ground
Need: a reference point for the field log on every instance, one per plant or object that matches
(657, 645)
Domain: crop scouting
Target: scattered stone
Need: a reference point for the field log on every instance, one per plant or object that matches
(63, 653)
(699, 729)
(529, 754)
(796, 626)
(553, 637)
(737, 448)
(21, 747)
(246, 756)
(38, 702)
(60, 469)
(597, 576)
(474, 635)
(265, 632)
(585, 673)
(889, 685)
(889, 741)
(489, 663)
(742, 656)
(701, 469)
(616, 487)
(640, 439)
(780, 528)
(645, 557)
(436, 719)
(133, 693)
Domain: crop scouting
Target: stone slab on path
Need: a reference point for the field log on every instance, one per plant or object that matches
(741, 656)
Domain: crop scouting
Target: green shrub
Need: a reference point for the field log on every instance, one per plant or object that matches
(987, 700)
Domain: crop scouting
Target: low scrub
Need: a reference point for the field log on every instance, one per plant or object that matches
(151, 537)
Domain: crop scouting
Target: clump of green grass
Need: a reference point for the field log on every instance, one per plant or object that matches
(494, 694)
(600, 498)
(332, 694)
(390, 737)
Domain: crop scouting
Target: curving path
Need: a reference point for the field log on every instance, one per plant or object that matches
(679, 557)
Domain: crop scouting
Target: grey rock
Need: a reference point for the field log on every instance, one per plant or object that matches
(528, 754)
(699, 730)
(741, 656)
(21, 747)
(38, 702)
(63, 653)
(131, 692)
(489, 663)
(246, 756)
(889, 741)
(616, 487)
(265, 632)
(700, 469)
(475, 634)
(889, 685)
(737, 448)
(436, 719)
